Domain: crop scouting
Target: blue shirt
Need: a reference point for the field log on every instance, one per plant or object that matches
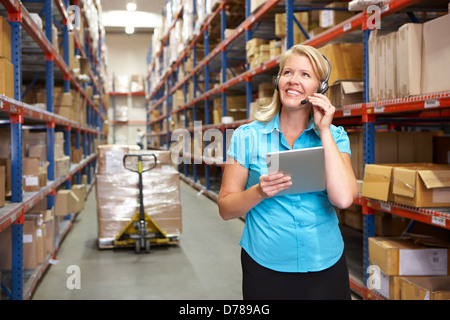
(287, 233)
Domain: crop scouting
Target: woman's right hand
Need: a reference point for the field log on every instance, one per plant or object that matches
(271, 184)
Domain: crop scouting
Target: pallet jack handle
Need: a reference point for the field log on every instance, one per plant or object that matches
(140, 171)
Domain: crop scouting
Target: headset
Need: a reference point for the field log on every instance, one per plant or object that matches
(323, 86)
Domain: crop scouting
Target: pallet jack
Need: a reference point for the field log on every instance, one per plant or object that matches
(141, 230)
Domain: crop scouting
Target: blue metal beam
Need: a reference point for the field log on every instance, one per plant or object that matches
(289, 24)
(368, 154)
(248, 81)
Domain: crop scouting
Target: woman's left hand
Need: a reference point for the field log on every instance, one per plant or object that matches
(323, 111)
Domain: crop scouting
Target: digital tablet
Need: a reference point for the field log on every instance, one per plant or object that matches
(306, 167)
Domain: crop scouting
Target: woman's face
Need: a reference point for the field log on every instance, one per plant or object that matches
(297, 81)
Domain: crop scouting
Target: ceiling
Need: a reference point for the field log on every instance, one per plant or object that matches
(148, 6)
(154, 6)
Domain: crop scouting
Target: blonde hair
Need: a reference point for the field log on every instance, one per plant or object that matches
(320, 68)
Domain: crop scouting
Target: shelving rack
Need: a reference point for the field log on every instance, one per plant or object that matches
(412, 110)
(115, 122)
(18, 114)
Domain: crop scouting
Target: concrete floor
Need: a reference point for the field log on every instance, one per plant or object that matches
(204, 265)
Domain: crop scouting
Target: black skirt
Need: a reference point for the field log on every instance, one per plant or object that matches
(260, 283)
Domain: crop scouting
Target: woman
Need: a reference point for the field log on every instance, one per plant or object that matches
(292, 247)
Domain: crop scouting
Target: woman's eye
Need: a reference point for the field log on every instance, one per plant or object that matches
(306, 74)
(287, 72)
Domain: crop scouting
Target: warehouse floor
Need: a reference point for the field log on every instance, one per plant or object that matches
(204, 265)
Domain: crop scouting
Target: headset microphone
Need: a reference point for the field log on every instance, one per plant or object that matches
(304, 101)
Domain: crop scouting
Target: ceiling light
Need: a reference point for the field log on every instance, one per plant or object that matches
(131, 6)
(137, 19)
(129, 29)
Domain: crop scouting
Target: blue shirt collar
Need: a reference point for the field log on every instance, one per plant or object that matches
(275, 124)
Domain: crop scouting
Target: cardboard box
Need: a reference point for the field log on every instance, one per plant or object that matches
(280, 26)
(380, 183)
(38, 151)
(65, 201)
(63, 111)
(30, 173)
(346, 60)
(43, 174)
(6, 78)
(49, 231)
(60, 97)
(256, 4)
(5, 39)
(85, 65)
(377, 182)
(345, 92)
(7, 164)
(373, 66)
(59, 145)
(425, 288)
(37, 219)
(330, 18)
(391, 62)
(381, 63)
(76, 155)
(29, 245)
(409, 53)
(389, 286)
(436, 55)
(403, 257)
(422, 186)
(80, 191)
(62, 166)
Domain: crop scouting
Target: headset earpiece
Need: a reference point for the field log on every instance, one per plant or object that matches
(323, 86)
(276, 83)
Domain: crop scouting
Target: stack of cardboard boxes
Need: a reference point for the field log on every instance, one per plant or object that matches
(280, 26)
(62, 162)
(70, 200)
(409, 268)
(257, 51)
(6, 66)
(117, 193)
(393, 147)
(236, 108)
(40, 226)
(265, 96)
(412, 184)
(419, 176)
(410, 61)
(38, 238)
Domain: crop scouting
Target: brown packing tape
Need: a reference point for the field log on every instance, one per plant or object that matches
(375, 177)
(401, 185)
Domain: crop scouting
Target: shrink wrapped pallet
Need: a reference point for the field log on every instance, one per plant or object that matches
(118, 194)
